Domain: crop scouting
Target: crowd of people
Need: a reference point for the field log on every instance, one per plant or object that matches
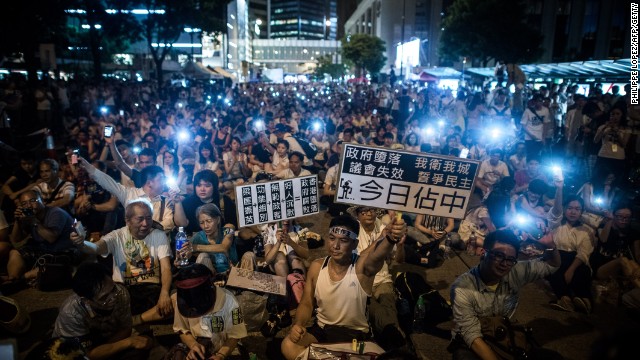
(135, 162)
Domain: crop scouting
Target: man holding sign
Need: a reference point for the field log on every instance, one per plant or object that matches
(339, 286)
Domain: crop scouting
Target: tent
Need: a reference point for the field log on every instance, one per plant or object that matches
(424, 76)
(198, 71)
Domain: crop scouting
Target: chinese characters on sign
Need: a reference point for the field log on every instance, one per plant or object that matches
(413, 182)
(277, 200)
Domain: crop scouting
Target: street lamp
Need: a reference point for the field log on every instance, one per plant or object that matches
(327, 26)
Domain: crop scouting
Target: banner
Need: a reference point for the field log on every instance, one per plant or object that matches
(272, 201)
(421, 183)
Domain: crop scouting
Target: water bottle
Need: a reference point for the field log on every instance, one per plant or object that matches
(181, 239)
(419, 313)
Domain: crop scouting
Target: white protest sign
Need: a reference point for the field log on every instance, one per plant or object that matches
(421, 183)
(272, 201)
(257, 281)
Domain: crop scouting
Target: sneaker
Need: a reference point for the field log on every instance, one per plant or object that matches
(582, 304)
(563, 304)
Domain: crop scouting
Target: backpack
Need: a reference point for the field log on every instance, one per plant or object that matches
(409, 286)
(310, 150)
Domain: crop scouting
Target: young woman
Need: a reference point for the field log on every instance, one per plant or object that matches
(234, 164)
(598, 195)
(170, 163)
(280, 160)
(207, 158)
(613, 137)
(412, 142)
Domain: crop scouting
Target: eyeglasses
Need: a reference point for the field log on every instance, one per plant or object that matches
(365, 211)
(111, 297)
(623, 218)
(500, 257)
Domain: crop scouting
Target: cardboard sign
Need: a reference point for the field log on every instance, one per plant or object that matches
(257, 281)
(421, 183)
(277, 200)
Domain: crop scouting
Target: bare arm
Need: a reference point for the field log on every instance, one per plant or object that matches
(307, 303)
(117, 158)
(480, 348)
(216, 248)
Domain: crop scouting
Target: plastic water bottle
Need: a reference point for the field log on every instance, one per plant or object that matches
(181, 239)
(419, 313)
(447, 246)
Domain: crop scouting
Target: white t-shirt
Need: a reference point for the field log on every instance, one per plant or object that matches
(367, 239)
(224, 321)
(492, 174)
(535, 124)
(137, 261)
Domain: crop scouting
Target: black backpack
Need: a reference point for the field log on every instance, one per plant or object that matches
(310, 150)
(409, 286)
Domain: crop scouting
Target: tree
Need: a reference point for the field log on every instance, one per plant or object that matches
(326, 66)
(105, 33)
(25, 25)
(168, 18)
(366, 52)
(489, 30)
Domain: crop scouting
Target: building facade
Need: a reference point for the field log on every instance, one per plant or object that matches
(302, 19)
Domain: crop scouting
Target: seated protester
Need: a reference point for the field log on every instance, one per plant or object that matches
(235, 165)
(530, 173)
(452, 146)
(260, 153)
(492, 289)
(295, 167)
(215, 249)
(390, 141)
(209, 318)
(94, 206)
(46, 231)
(206, 191)
(348, 136)
(518, 161)
(531, 202)
(124, 159)
(280, 160)
(281, 132)
(572, 282)
(53, 191)
(383, 315)
(98, 315)
(154, 182)
(618, 242)
(284, 253)
(491, 171)
(141, 260)
(22, 179)
(598, 195)
(341, 308)
(206, 158)
(435, 227)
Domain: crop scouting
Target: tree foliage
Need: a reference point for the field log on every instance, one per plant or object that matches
(326, 66)
(166, 27)
(366, 52)
(489, 29)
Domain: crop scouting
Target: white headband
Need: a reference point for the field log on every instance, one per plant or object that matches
(342, 231)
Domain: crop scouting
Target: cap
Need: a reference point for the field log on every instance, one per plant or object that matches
(282, 128)
(195, 291)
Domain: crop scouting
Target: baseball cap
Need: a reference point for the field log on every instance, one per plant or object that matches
(195, 290)
(282, 128)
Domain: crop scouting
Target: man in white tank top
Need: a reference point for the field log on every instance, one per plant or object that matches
(339, 286)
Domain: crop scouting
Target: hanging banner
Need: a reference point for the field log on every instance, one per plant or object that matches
(420, 183)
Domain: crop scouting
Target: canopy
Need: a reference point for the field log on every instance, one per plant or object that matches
(224, 72)
(198, 71)
(427, 77)
(607, 69)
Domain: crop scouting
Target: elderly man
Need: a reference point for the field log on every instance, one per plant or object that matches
(47, 230)
(492, 289)
(54, 191)
(154, 181)
(339, 286)
(141, 260)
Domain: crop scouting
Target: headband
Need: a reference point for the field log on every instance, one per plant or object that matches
(342, 231)
(191, 283)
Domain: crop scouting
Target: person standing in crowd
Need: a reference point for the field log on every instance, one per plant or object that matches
(613, 136)
(533, 122)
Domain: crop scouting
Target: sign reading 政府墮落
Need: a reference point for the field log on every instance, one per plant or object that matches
(267, 202)
(421, 183)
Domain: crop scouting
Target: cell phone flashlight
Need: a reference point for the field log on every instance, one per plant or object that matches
(464, 153)
(74, 156)
(121, 112)
(375, 111)
(108, 131)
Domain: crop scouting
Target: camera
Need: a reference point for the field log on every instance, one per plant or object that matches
(26, 212)
(74, 156)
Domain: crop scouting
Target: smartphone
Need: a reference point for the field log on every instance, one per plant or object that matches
(375, 111)
(464, 153)
(108, 131)
(121, 112)
(74, 156)
(145, 145)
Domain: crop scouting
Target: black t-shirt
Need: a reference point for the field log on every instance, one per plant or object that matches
(261, 153)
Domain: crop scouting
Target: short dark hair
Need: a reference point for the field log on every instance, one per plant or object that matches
(88, 280)
(150, 172)
(298, 154)
(538, 186)
(501, 236)
(349, 130)
(388, 135)
(148, 152)
(346, 221)
(571, 198)
(284, 142)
